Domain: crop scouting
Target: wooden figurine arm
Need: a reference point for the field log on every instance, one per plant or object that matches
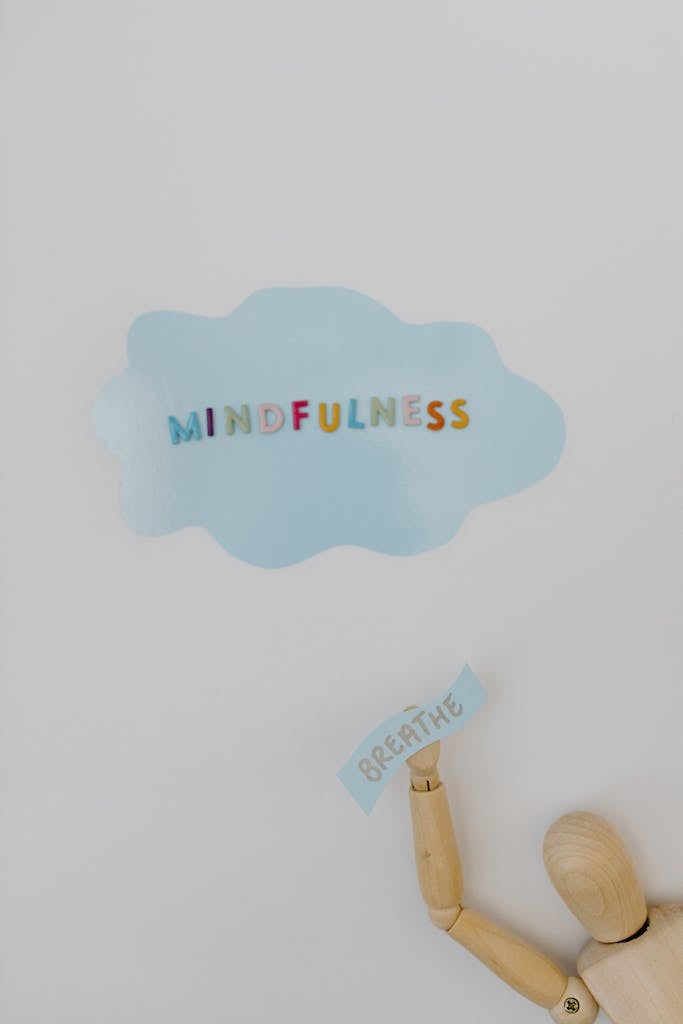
(523, 967)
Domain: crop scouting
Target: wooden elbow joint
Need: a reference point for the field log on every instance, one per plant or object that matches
(444, 917)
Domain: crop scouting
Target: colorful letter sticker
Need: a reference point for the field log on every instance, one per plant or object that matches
(377, 759)
(312, 418)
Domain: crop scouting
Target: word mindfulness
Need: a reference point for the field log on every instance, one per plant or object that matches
(354, 414)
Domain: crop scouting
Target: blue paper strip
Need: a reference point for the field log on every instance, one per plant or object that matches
(381, 754)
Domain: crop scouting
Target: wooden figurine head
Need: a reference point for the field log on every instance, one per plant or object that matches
(592, 871)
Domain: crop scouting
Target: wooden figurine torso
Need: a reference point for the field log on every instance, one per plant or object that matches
(639, 981)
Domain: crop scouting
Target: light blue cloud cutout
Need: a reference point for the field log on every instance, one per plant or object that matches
(276, 499)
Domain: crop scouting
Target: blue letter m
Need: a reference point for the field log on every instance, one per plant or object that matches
(180, 433)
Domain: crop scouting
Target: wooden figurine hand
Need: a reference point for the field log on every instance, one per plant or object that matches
(519, 964)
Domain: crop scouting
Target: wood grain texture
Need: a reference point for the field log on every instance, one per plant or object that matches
(436, 854)
(641, 981)
(592, 871)
(522, 966)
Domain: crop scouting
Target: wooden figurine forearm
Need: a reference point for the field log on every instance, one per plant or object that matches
(519, 964)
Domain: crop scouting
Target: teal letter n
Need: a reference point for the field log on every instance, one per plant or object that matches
(180, 433)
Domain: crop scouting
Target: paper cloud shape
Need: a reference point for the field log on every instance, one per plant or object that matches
(311, 418)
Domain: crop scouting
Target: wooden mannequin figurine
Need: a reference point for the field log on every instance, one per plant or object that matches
(633, 966)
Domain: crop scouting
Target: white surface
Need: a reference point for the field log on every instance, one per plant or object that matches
(517, 165)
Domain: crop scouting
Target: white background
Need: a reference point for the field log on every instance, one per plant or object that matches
(174, 844)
